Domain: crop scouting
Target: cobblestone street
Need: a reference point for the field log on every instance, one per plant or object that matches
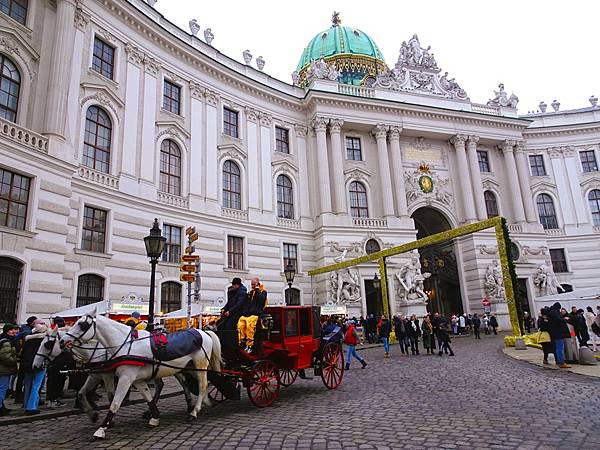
(478, 399)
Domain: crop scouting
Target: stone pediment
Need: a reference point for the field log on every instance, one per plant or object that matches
(284, 166)
(15, 46)
(172, 128)
(103, 96)
(591, 183)
(543, 184)
(357, 173)
(232, 150)
(490, 183)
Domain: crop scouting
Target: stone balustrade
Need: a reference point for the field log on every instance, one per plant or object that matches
(236, 214)
(369, 223)
(23, 136)
(173, 200)
(555, 232)
(97, 177)
(485, 109)
(288, 223)
(357, 91)
(597, 229)
(515, 228)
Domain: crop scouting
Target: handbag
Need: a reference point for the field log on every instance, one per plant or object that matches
(543, 336)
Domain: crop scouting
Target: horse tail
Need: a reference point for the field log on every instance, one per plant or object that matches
(215, 355)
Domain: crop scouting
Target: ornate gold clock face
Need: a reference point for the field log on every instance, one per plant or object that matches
(426, 183)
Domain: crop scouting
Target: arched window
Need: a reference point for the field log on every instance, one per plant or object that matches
(594, 199)
(372, 246)
(170, 167)
(491, 205)
(10, 85)
(292, 297)
(170, 296)
(90, 289)
(10, 285)
(96, 142)
(17, 9)
(285, 198)
(232, 186)
(547, 212)
(358, 200)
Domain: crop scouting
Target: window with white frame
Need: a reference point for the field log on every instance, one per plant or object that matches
(14, 199)
(10, 87)
(285, 197)
(536, 162)
(546, 212)
(559, 260)
(17, 9)
(290, 255)
(170, 167)
(230, 122)
(172, 250)
(232, 186)
(103, 59)
(90, 289)
(353, 149)
(282, 140)
(172, 97)
(594, 201)
(93, 236)
(483, 160)
(358, 200)
(491, 205)
(97, 139)
(588, 161)
(170, 296)
(235, 252)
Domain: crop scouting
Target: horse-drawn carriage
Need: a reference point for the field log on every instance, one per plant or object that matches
(288, 341)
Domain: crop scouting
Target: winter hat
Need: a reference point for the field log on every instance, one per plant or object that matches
(30, 320)
(9, 326)
(135, 314)
(39, 326)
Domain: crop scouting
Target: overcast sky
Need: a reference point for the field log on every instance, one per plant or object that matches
(540, 50)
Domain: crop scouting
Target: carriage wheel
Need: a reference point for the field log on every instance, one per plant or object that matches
(332, 365)
(264, 385)
(214, 394)
(287, 376)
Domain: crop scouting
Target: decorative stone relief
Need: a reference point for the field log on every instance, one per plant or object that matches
(212, 98)
(485, 250)
(194, 27)
(345, 286)
(321, 70)
(501, 98)
(134, 54)
(11, 46)
(107, 36)
(546, 282)
(301, 130)
(197, 90)
(335, 125)
(320, 123)
(260, 63)
(410, 282)
(105, 100)
(493, 285)
(151, 65)
(284, 166)
(173, 77)
(81, 19)
(425, 184)
(209, 36)
(357, 174)
(265, 119)
(251, 114)
(247, 56)
(535, 251)
(171, 131)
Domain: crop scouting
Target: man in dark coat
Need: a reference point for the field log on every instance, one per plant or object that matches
(476, 321)
(231, 312)
(494, 323)
(558, 329)
(252, 309)
(577, 319)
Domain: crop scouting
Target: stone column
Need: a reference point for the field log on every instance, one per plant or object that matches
(511, 174)
(398, 171)
(523, 171)
(463, 174)
(380, 133)
(195, 168)
(60, 68)
(320, 126)
(337, 161)
(303, 182)
(476, 177)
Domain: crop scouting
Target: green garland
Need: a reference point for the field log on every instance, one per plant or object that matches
(513, 273)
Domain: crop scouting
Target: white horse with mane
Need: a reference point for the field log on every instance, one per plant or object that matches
(122, 346)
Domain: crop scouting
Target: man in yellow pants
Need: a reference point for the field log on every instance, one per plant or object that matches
(252, 309)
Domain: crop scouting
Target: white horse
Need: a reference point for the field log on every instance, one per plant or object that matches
(117, 339)
(92, 353)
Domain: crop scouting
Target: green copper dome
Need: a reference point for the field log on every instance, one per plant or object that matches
(338, 40)
(350, 51)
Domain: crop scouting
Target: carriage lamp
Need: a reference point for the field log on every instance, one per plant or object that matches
(155, 243)
(376, 282)
(289, 272)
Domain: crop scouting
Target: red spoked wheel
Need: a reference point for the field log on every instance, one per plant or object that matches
(332, 365)
(264, 384)
(287, 376)
(215, 395)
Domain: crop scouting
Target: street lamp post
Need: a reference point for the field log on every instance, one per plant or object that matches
(155, 243)
(290, 273)
(377, 286)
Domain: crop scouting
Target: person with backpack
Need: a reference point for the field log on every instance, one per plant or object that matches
(476, 321)
(351, 339)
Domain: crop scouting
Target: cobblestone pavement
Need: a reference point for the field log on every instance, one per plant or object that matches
(479, 399)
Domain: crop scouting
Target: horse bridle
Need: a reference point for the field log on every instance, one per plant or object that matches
(50, 347)
(85, 327)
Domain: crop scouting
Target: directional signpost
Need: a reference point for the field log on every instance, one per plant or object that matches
(190, 270)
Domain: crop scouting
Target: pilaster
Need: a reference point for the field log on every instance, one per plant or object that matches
(337, 160)
(466, 188)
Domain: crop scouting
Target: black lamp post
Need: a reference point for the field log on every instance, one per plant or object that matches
(377, 286)
(290, 273)
(155, 243)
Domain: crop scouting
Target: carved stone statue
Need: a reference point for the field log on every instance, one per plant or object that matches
(194, 27)
(493, 284)
(295, 78)
(208, 36)
(345, 286)
(545, 280)
(501, 98)
(321, 70)
(247, 56)
(411, 282)
(260, 63)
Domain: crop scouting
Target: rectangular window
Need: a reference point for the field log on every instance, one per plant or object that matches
(172, 251)
(172, 97)
(103, 60)
(235, 252)
(353, 150)
(230, 122)
(17, 9)
(588, 161)
(559, 260)
(483, 160)
(290, 255)
(282, 140)
(94, 229)
(536, 162)
(14, 198)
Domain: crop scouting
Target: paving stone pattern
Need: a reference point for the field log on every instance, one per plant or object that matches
(479, 399)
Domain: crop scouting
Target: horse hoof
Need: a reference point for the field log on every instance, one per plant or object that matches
(94, 417)
(191, 418)
(153, 423)
(99, 434)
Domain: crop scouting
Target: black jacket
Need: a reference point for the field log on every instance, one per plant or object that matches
(30, 348)
(557, 327)
(254, 305)
(386, 328)
(476, 322)
(235, 300)
(413, 331)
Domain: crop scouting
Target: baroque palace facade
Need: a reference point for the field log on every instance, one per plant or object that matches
(111, 116)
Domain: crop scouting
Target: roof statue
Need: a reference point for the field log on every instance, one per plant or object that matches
(417, 71)
(502, 99)
(335, 19)
(320, 70)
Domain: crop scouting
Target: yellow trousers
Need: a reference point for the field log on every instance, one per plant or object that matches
(246, 328)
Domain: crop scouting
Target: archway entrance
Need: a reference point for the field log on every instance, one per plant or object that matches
(10, 284)
(443, 286)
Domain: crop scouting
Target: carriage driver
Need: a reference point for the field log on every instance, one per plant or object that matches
(252, 309)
